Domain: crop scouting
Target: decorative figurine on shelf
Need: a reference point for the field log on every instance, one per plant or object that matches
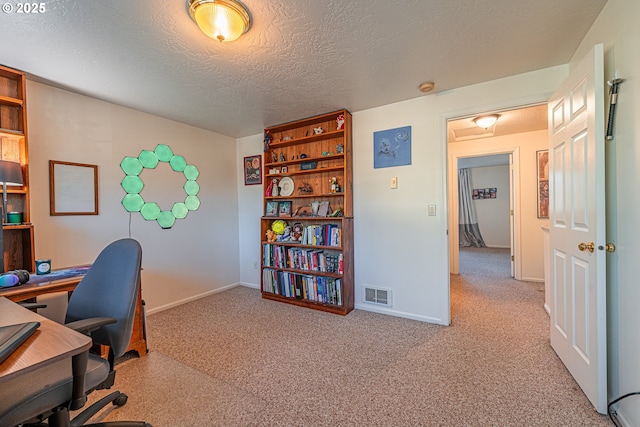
(271, 236)
(337, 212)
(286, 138)
(274, 157)
(335, 188)
(317, 131)
(296, 236)
(286, 235)
(267, 140)
(272, 188)
(339, 148)
(282, 158)
(340, 121)
(305, 189)
(302, 211)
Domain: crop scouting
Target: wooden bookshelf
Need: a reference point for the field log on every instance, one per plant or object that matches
(311, 270)
(18, 238)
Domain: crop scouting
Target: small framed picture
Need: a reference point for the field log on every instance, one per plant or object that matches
(271, 208)
(543, 183)
(253, 170)
(285, 169)
(284, 209)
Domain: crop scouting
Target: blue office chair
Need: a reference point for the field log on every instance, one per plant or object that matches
(103, 306)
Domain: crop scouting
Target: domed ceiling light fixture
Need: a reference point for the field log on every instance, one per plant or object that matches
(222, 20)
(486, 121)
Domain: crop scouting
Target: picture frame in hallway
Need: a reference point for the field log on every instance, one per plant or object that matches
(542, 158)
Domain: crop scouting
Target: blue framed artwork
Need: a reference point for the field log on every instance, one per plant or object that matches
(392, 147)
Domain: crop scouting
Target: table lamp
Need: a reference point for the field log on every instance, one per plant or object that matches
(10, 174)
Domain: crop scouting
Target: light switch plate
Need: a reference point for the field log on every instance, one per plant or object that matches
(394, 182)
(432, 210)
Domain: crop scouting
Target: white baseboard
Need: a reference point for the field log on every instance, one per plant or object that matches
(191, 298)
(532, 279)
(396, 313)
(249, 285)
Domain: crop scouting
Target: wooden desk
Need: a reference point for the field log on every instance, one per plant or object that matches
(52, 351)
(138, 342)
(50, 343)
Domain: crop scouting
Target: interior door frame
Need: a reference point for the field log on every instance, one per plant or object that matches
(454, 249)
(452, 168)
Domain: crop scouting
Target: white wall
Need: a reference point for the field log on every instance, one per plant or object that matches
(617, 27)
(493, 214)
(250, 202)
(197, 256)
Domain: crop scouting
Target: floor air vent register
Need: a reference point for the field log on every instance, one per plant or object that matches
(378, 296)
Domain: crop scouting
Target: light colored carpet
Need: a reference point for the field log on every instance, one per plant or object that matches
(234, 359)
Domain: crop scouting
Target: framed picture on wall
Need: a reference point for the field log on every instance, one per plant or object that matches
(542, 168)
(73, 188)
(253, 170)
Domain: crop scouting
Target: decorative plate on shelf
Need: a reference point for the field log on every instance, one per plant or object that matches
(286, 186)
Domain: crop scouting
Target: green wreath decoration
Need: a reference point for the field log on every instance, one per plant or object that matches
(133, 185)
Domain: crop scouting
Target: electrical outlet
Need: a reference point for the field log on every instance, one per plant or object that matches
(255, 265)
(394, 182)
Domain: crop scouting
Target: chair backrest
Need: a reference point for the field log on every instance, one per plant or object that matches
(110, 288)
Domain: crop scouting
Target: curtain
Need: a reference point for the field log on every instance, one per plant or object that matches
(467, 218)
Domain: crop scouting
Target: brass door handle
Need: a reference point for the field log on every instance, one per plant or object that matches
(609, 247)
(586, 246)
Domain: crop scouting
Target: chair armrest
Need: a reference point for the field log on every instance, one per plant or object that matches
(32, 305)
(87, 326)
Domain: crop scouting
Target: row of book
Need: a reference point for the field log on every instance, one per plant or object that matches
(302, 259)
(327, 290)
(322, 235)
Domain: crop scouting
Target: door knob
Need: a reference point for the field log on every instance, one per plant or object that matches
(586, 247)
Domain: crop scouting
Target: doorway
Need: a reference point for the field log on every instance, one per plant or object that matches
(490, 180)
(519, 132)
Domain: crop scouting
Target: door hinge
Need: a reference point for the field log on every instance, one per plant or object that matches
(512, 258)
(511, 212)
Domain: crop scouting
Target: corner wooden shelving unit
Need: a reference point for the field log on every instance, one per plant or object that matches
(317, 276)
(18, 238)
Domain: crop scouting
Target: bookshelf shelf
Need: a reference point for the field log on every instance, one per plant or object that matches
(321, 245)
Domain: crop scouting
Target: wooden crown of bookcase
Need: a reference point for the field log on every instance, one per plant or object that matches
(312, 268)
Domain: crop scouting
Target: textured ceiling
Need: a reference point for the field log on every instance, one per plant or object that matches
(509, 122)
(300, 58)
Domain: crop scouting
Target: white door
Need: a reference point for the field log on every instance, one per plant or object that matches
(577, 226)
